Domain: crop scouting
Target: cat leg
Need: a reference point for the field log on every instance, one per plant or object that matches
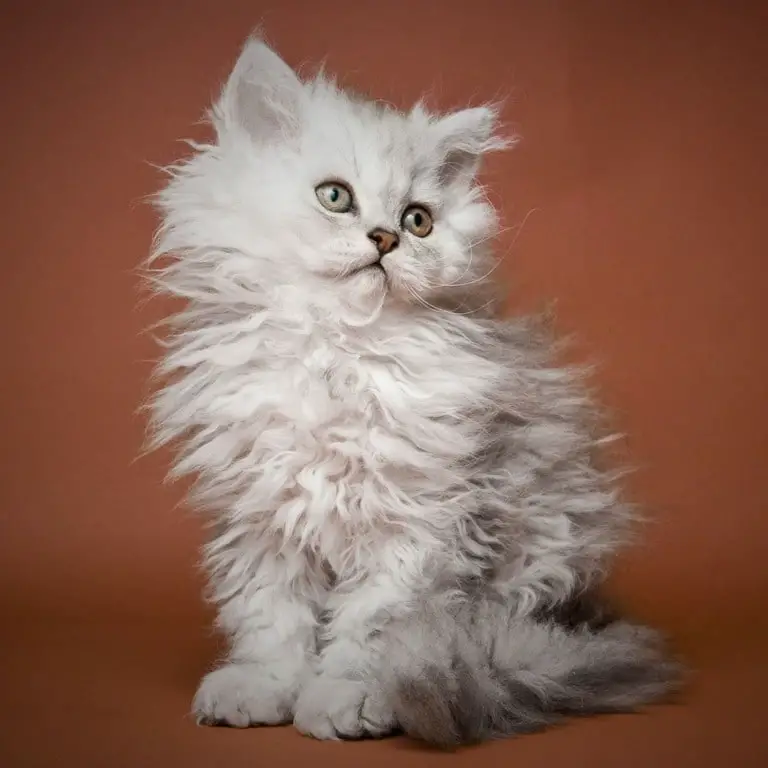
(344, 699)
(271, 627)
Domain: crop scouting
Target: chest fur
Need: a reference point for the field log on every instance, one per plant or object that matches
(325, 445)
(354, 435)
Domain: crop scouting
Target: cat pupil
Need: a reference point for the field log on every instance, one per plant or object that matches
(417, 219)
(334, 194)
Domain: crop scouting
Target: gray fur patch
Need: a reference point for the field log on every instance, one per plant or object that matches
(477, 673)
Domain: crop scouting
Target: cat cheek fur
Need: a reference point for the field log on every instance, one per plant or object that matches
(403, 497)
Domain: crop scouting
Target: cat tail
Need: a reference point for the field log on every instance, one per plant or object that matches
(453, 682)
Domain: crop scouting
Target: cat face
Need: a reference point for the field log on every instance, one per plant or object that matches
(343, 198)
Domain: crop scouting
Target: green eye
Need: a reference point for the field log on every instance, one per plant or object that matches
(417, 220)
(335, 196)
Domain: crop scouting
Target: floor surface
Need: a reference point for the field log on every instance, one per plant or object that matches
(118, 696)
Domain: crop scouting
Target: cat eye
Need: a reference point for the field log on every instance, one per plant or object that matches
(417, 220)
(335, 196)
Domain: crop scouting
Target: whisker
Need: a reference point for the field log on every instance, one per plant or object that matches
(499, 260)
(427, 305)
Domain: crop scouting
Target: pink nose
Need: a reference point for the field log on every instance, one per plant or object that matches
(384, 240)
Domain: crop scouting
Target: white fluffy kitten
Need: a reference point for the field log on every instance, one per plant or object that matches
(406, 508)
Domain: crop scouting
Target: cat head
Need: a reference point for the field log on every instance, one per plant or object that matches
(313, 193)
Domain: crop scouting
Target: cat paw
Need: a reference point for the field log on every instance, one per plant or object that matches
(241, 695)
(330, 708)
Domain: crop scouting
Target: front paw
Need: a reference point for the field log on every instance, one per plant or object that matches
(331, 708)
(241, 695)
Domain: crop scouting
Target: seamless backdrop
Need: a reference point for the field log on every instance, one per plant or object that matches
(636, 200)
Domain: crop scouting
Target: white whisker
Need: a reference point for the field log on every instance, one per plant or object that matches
(498, 261)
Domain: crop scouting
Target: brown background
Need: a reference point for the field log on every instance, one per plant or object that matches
(641, 183)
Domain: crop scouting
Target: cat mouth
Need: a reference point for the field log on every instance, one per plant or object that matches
(379, 267)
(373, 266)
(375, 275)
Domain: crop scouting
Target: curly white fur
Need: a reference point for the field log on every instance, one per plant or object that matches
(363, 438)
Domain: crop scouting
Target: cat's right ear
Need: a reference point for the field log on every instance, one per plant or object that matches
(262, 94)
(462, 138)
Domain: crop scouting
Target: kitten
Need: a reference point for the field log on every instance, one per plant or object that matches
(405, 503)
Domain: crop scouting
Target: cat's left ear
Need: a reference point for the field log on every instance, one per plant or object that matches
(462, 138)
(261, 95)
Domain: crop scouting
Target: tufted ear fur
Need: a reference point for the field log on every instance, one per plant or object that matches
(261, 95)
(462, 138)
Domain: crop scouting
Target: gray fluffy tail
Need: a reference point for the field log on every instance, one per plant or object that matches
(458, 677)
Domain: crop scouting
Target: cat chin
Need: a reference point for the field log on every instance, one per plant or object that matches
(380, 284)
(370, 282)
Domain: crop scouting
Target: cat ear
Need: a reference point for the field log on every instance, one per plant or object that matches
(262, 93)
(462, 138)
